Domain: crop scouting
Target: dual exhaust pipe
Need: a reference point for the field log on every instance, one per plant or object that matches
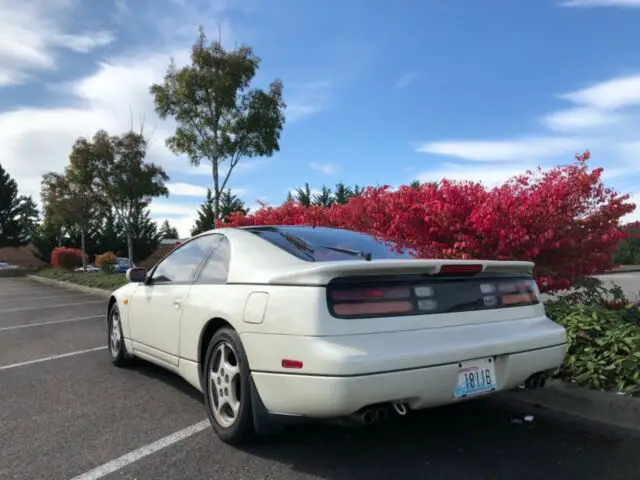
(537, 380)
(371, 415)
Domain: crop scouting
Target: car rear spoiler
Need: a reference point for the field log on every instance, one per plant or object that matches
(323, 273)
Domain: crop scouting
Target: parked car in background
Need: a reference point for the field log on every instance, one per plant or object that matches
(122, 265)
(89, 269)
(282, 324)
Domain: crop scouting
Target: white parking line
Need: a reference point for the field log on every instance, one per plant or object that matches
(51, 306)
(12, 299)
(40, 324)
(135, 455)
(52, 357)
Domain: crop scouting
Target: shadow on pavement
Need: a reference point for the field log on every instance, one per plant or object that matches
(472, 441)
(477, 440)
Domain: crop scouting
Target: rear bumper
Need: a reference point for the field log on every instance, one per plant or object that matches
(315, 396)
(344, 373)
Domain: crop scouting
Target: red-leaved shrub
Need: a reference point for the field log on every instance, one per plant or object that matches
(563, 219)
(67, 258)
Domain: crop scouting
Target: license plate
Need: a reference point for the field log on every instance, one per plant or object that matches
(475, 377)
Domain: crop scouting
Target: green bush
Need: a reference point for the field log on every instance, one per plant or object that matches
(603, 338)
(101, 280)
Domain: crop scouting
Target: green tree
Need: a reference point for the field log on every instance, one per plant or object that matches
(325, 198)
(114, 168)
(219, 118)
(167, 231)
(70, 203)
(342, 193)
(231, 203)
(206, 216)
(304, 196)
(109, 239)
(47, 237)
(18, 214)
(144, 234)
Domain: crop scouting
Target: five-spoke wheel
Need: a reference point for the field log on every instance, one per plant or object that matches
(227, 388)
(224, 385)
(119, 355)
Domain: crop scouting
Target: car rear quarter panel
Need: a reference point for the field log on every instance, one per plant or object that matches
(290, 312)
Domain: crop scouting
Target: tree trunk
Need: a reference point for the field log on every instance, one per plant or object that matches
(216, 192)
(130, 248)
(83, 249)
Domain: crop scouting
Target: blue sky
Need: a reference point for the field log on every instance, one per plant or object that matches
(378, 91)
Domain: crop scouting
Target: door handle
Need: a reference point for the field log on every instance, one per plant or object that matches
(177, 304)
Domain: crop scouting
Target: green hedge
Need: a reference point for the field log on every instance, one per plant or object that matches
(106, 281)
(603, 330)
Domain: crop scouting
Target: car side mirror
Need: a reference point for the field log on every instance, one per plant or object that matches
(136, 274)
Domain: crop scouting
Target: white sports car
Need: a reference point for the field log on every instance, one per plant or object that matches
(278, 324)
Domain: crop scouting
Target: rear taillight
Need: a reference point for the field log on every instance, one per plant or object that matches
(353, 300)
(370, 301)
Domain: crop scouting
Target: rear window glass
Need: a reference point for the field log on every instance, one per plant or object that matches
(319, 238)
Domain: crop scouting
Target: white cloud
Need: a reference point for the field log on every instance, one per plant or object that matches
(406, 80)
(181, 189)
(601, 3)
(33, 31)
(603, 118)
(186, 190)
(503, 150)
(325, 168)
(307, 99)
(580, 118)
(116, 94)
(615, 93)
(180, 215)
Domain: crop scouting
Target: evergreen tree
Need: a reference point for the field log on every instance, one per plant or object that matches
(18, 214)
(325, 198)
(206, 215)
(231, 203)
(167, 231)
(144, 233)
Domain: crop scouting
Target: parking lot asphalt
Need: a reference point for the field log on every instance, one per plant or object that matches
(66, 412)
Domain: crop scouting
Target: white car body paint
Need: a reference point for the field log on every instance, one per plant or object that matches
(348, 364)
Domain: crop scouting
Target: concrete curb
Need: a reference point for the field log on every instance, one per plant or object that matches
(617, 410)
(71, 286)
(621, 270)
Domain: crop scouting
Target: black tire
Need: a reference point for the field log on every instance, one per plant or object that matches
(242, 431)
(117, 350)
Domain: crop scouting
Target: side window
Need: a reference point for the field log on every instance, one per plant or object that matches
(216, 268)
(181, 265)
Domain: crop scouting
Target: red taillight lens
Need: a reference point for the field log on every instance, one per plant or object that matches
(368, 301)
(429, 296)
(377, 308)
(350, 294)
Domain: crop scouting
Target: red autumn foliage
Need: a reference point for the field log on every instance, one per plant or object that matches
(67, 258)
(631, 230)
(564, 219)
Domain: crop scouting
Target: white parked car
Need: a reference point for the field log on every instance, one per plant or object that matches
(284, 323)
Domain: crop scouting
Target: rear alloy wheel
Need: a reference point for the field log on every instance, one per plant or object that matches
(227, 391)
(117, 350)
